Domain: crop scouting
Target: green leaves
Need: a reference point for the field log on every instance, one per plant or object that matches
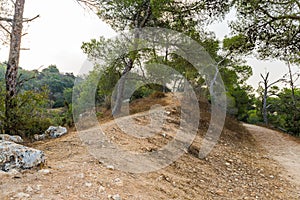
(238, 44)
(272, 26)
(282, 112)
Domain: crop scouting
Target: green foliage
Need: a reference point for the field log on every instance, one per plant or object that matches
(67, 93)
(253, 117)
(239, 44)
(124, 14)
(272, 26)
(107, 82)
(36, 91)
(49, 77)
(283, 113)
(183, 16)
(141, 92)
(158, 95)
(56, 83)
(30, 114)
(82, 91)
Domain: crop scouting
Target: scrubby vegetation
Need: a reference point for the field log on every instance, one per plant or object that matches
(44, 98)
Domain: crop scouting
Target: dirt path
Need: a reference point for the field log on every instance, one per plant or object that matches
(282, 148)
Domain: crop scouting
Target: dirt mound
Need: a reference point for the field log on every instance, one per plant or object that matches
(237, 168)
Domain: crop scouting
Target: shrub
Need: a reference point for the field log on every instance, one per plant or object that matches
(158, 95)
(141, 92)
(253, 118)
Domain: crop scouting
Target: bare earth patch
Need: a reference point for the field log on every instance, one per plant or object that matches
(282, 148)
(237, 168)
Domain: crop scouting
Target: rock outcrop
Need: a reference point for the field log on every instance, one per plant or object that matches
(56, 132)
(15, 156)
(11, 138)
(52, 132)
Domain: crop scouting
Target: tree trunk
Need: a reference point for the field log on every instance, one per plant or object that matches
(292, 84)
(265, 112)
(139, 23)
(12, 66)
(120, 90)
(265, 97)
(295, 110)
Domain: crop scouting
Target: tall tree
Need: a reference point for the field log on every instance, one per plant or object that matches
(13, 62)
(266, 94)
(13, 27)
(136, 14)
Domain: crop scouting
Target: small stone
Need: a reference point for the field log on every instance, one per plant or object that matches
(38, 187)
(116, 197)
(219, 192)
(22, 195)
(101, 189)
(110, 167)
(88, 184)
(45, 171)
(69, 187)
(81, 176)
(227, 164)
(13, 172)
(29, 189)
(118, 182)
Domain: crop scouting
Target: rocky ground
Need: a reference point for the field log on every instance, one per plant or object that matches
(239, 167)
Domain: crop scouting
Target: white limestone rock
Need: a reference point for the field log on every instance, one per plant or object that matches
(11, 138)
(55, 132)
(15, 156)
(52, 132)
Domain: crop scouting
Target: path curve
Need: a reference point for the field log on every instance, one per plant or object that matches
(282, 148)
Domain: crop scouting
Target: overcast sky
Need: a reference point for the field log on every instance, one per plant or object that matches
(56, 37)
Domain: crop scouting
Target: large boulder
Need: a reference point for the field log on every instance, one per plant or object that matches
(15, 156)
(11, 138)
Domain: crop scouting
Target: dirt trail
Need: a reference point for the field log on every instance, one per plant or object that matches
(282, 148)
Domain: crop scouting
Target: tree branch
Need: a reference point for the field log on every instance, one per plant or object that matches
(6, 19)
(148, 13)
(21, 82)
(290, 16)
(29, 20)
(90, 4)
(5, 29)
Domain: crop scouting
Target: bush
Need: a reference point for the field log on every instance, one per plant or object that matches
(253, 118)
(141, 92)
(35, 126)
(62, 116)
(158, 95)
(31, 115)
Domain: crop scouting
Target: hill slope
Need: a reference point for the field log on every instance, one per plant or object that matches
(237, 168)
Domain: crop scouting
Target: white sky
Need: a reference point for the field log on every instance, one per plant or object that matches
(56, 38)
(277, 69)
